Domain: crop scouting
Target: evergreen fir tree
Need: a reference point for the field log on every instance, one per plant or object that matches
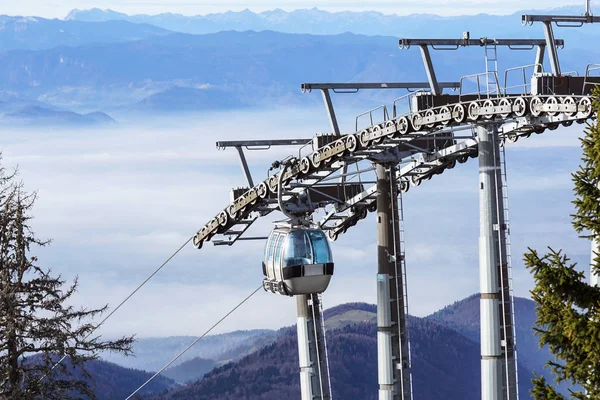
(568, 308)
(37, 326)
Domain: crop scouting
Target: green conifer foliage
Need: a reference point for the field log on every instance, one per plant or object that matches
(568, 308)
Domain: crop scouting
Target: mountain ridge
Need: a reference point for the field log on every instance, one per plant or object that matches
(36, 33)
(33, 114)
(313, 20)
(154, 353)
(440, 355)
(167, 71)
(243, 68)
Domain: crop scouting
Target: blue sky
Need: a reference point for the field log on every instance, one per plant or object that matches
(60, 8)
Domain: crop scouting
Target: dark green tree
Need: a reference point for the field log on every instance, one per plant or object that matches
(37, 325)
(568, 308)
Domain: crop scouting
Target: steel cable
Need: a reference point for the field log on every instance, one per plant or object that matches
(120, 305)
(194, 342)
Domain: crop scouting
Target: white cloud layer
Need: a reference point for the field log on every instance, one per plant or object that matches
(117, 203)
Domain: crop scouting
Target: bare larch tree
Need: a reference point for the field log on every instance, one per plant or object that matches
(38, 327)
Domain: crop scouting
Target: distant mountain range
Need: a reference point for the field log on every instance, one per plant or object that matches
(34, 115)
(110, 381)
(114, 382)
(150, 354)
(191, 370)
(319, 22)
(118, 64)
(226, 70)
(263, 364)
(34, 33)
(445, 362)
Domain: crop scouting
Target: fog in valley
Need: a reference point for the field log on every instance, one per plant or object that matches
(118, 201)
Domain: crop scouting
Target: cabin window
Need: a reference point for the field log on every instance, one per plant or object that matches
(270, 248)
(320, 247)
(298, 250)
(278, 248)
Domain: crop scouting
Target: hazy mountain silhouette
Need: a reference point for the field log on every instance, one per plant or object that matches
(34, 33)
(110, 381)
(106, 60)
(445, 363)
(240, 69)
(191, 370)
(38, 115)
(463, 316)
(153, 353)
(315, 21)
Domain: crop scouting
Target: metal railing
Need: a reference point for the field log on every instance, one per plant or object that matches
(526, 85)
(570, 73)
(408, 97)
(370, 112)
(588, 69)
(477, 78)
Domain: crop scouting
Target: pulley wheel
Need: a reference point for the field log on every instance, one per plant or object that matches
(362, 214)
(488, 104)
(340, 143)
(504, 102)
(304, 167)
(333, 235)
(586, 104)
(392, 125)
(376, 131)
(430, 113)
(404, 185)
(415, 180)
(536, 106)
(263, 190)
(326, 149)
(273, 183)
(402, 125)
(254, 192)
(520, 107)
(223, 216)
(552, 104)
(315, 159)
(351, 143)
(416, 122)
(570, 102)
(459, 114)
(473, 111)
(364, 137)
(448, 115)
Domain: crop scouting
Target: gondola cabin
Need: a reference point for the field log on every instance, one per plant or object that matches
(297, 261)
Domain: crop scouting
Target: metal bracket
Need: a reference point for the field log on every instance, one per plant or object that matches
(355, 87)
(257, 145)
(552, 53)
(433, 83)
(330, 111)
(560, 21)
(454, 44)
